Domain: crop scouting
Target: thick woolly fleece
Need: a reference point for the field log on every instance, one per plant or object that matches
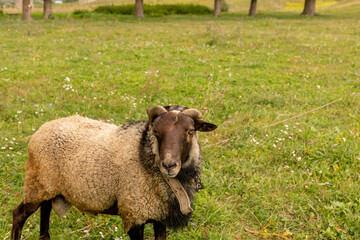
(95, 165)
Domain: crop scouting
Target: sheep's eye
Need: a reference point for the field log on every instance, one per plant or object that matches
(156, 133)
(191, 131)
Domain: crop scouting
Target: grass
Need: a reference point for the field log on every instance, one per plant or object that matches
(244, 74)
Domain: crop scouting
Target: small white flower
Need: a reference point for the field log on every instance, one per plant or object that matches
(344, 139)
(19, 111)
(298, 158)
(274, 145)
(67, 79)
(3, 148)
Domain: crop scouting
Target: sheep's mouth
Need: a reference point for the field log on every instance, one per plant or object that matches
(170, 173)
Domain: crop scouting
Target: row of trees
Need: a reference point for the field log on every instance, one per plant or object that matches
(309, 8)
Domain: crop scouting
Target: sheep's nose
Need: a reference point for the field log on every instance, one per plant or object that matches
(169, 166)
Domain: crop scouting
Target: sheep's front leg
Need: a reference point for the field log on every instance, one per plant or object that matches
(137, 232)
(20, 214)
(45, 210)
(160, 231)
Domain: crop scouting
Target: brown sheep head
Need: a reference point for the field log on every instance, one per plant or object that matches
(176, 135)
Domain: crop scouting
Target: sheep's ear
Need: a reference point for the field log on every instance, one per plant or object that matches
(203, 126)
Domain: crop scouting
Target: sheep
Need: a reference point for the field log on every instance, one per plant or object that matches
(145, 171)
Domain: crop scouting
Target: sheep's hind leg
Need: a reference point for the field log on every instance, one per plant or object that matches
(160, 231)
(20, 214)
(137, 232)
(44, 219)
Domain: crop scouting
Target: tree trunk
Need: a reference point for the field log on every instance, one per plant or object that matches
(252, 10)
(26, 10)
(217, 8)
(309, 8)
(139, 8)
(47, 9)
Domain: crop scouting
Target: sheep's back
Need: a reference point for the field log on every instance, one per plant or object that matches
(82, 159)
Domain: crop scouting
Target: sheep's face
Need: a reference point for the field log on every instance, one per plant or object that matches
(176, 136)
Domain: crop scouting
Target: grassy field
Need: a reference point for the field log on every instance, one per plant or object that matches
(298, 178)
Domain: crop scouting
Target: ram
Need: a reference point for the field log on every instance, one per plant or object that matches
(146, 171)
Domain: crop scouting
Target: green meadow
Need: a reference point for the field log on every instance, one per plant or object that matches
(283, 89)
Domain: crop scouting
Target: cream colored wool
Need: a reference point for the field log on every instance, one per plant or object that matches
(93, 164)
